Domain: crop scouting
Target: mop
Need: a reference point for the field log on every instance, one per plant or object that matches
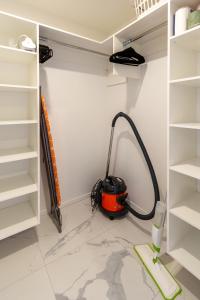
(149, 255)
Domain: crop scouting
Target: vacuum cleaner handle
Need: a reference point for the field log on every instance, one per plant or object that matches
(120, 114)
(148, 161)
(109, 152)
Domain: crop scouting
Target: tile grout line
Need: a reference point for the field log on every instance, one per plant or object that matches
(22, 278)
(45, 268)
(29, 273)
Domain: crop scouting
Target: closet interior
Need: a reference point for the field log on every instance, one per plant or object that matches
(177, 57)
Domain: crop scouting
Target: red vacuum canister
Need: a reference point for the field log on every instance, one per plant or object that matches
(113, 189)
(109, 202)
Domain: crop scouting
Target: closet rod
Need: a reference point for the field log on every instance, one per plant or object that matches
(155, 28)
(125, 43)
(44, 39)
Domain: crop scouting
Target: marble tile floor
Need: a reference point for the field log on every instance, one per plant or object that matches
(92, 259)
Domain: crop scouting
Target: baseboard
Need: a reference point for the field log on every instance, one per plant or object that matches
(75, 200)
(69, 202)
(138, 208)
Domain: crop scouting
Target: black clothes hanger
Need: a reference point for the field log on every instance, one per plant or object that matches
(127, 57)
(45, 53)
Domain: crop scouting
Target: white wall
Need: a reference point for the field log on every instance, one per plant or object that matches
(81, 107)
(75, 87)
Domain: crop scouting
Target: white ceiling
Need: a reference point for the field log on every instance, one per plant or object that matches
(99, 17)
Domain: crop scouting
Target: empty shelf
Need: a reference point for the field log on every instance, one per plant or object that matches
(16, 88)
(18, 122)
(9, 155)
(188, 81)
(16, 186)
(156, 16)
(16, 218)
(187, 253)
(190, 168)
(190, 39)
(186, 125)
(189, 210)
(14, 55)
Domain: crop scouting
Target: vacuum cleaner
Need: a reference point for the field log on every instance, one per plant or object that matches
(110, 194)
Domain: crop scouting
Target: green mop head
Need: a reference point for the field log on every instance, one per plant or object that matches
(165, 282)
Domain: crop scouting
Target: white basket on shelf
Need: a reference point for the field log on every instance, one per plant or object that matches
(143, 6)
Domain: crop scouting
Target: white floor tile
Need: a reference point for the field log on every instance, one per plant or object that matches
(129, 232)
(34, 287)
(92, 259)
(190, 285)
(100, 269)
(80, 225)
(19, 256)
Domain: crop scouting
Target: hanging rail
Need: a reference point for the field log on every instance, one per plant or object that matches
(125, 43)
(155, 28)
(73, 46)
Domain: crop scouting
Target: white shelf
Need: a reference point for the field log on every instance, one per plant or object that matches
(16, 186)
(187, 253)
(16, 218)
(14, 55)
(186, 125)
(155, 17)
(10, 155)
(16, 88)
(188, 81)
(189, 210)
(18, 122)
(190, 39)
(19, 145)
(58, 35)
(190, 168)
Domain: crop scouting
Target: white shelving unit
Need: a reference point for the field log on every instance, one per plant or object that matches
(17, 88)
(17, 218)
(9, 155)
(190, 168)
(19, 128)
(189, 210)
(186, 125)
(183, 237)
(188, 81)
(186, 251)
(154, 42)
(16, 186)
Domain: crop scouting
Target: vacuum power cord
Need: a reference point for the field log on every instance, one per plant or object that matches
(96, 195)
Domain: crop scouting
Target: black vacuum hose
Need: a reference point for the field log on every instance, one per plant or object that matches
(149, 164)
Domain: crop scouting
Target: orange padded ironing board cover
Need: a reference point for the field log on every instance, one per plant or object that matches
(52, 151)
